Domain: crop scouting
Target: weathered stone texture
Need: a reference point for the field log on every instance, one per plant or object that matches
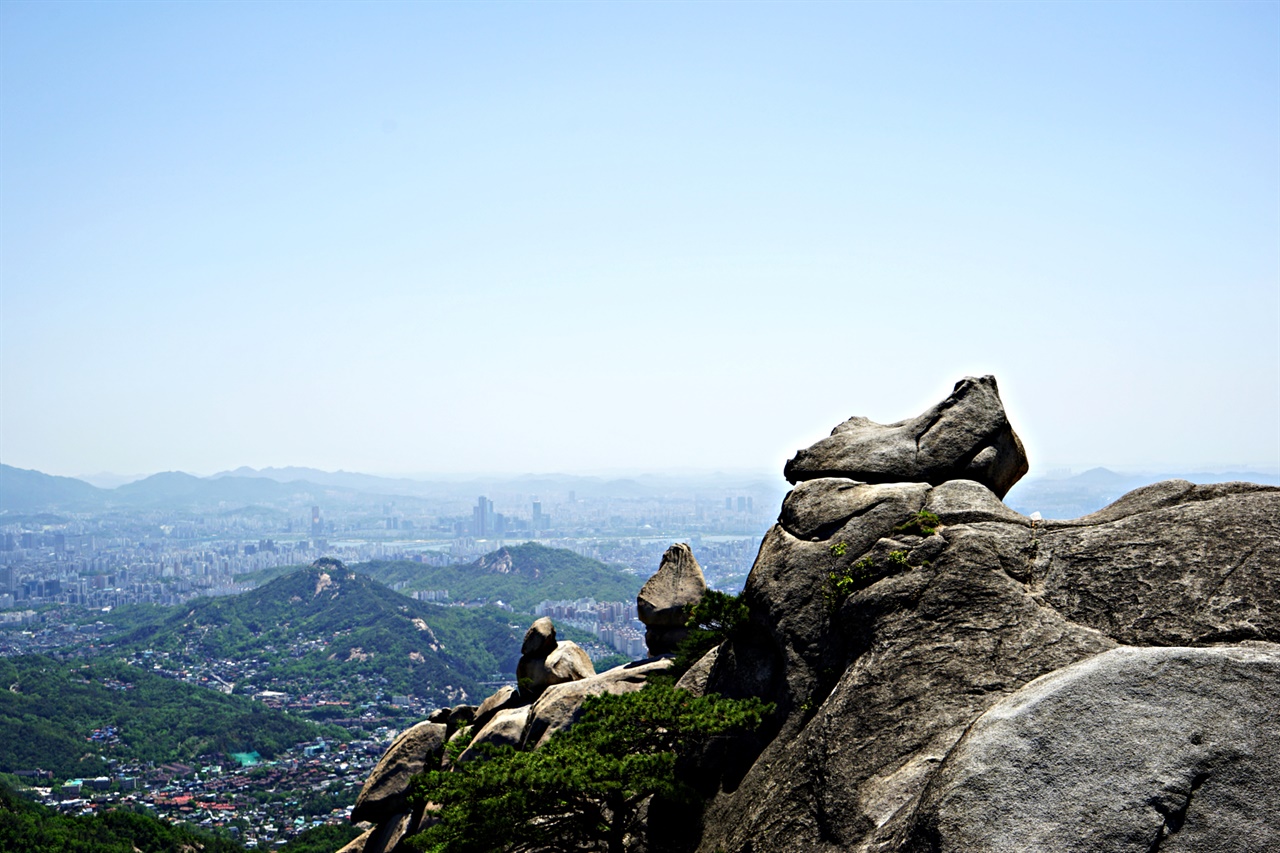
(874, 691)
(385, 792)
(965, 437)
(1136, 749)
(663, 600)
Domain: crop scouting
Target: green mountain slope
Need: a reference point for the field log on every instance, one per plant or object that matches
(55, 716)
(329, 632)
(519, 575)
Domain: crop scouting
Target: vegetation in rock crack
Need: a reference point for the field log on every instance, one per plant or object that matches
(716, 617)
(923, 523)
(897, 559)
(844, 581)
(583, 788)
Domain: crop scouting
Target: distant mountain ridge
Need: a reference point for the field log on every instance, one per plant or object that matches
(28, 491)
(23, 490)
(519, 575)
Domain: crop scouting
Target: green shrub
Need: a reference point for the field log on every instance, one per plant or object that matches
(583, 788)
(923, 523)
(718, 616)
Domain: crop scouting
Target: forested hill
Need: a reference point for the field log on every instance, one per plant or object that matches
(519, 575)
(327, 630)
(71, 718)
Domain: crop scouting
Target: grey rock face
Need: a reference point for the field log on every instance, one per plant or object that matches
(385, 792)
(696, 677)
(875, 689)
(504, 728)
(661, 603)
(965, 437)
(544, 661)
(540, 639)
(500, 700)
(1134, 749)
(566, 662)
(561, 704)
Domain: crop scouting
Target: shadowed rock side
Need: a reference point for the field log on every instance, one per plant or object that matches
(965, 437)
(875, 689)
(662, 602)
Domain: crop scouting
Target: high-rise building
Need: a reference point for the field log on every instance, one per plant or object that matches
(317, 527)
(482, 518)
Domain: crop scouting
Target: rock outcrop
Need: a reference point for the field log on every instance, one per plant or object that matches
(555, 677)
(950, 675)
(885, 635)
(1136, 748)
(544, 661)
(965, 437)
(663, 600)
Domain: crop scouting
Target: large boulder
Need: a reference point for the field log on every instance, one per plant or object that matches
(505, 728)
(540, 639)
(503, 698)
(1134, 749)
(386, 791)
(663, 602)
(544, 661)
(566, 662)
(561, 705)
(965, 437)
(876, 685)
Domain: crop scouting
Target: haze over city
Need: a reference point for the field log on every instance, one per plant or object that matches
(445, 238)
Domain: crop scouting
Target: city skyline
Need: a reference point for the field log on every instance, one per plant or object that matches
(454, 238)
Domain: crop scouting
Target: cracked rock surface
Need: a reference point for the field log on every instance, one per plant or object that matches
(1134, 749)
(883, 642)
(965, 437)
(876, 688)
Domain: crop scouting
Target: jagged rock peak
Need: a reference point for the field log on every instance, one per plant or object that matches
(661, 603)
(967, 436)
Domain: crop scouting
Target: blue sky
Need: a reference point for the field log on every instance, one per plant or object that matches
(433, 237)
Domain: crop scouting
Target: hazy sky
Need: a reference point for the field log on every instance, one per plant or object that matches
(437, 237)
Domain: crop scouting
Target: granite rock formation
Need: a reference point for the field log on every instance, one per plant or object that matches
(965, 437)
(663, 600)
(885, 636)
(951, 675)
(544, 661)
(556, 677)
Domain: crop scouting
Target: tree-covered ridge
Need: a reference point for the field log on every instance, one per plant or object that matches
(27, 827)
(519, 575)
(326, 630)
(71, 717)
(585, 787)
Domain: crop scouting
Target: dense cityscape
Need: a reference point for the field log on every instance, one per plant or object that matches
(64, 570)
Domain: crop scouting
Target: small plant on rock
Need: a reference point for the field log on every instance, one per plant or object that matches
(923, 523)
(717, 617)
(844, 582)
